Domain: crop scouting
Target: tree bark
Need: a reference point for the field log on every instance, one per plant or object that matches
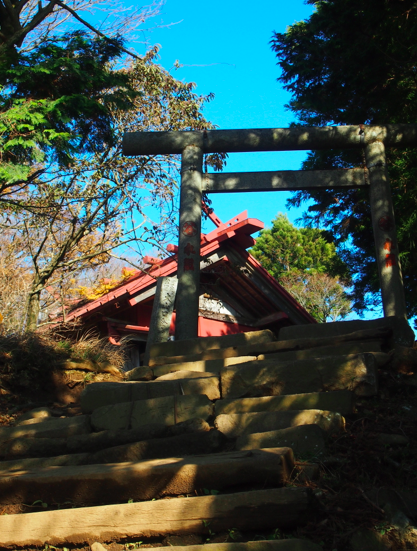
(33, 309)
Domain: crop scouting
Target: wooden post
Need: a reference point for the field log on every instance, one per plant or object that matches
(385, 235)
(163, 306)
(186, 325)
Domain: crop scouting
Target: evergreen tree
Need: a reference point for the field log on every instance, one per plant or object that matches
(305, 262)
(56, 103)
(354, 62)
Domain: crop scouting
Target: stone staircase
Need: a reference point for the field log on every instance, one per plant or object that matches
(208, 438)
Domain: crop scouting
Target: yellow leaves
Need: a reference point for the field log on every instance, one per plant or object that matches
(104, 285)
(128, 272)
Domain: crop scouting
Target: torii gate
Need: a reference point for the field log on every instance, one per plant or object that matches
(193, 144)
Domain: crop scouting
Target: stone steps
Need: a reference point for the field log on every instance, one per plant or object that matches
(306, 441)
(47, 428)
(147, 480)
(97, 395)
(233, 425)
(260, 509)
(342, 401)
(356, 372)
(380, 336)
(199, 345)
(228, 413)
(402, 334)
(214, 366)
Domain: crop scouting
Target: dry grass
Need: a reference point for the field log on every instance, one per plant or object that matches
(98, 350)
(27, 361)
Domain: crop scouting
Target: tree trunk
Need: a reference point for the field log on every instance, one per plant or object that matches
(33, 309)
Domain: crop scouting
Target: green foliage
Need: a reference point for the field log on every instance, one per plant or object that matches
(57, 101)
(353, 62)
(72, 194)
(323, 296)
(285, 248)
(306, 264)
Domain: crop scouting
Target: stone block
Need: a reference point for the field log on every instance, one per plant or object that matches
(404, 359)
(304, 440)
(236, 424)
(49, 428)
(201, 344)
(379, 335)
(40, 462)
(283, 508)
(159, 448)
(33, 421)
(211, 366)
(272, 378)
(146, 480)
(37, 413)
(183, 374)
(107, 438)
(97, 395)
(113, 417)
(33, 447)
(355, 372)
(168, 410)
(402, 332)
(324, 351)
(171, 410)
(163, 307)
(342, 401)
(269, 378)
(144, 373)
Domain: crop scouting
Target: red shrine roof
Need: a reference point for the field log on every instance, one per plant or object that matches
(223, 248)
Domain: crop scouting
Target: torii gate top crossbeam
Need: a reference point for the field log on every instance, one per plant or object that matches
(269, 139)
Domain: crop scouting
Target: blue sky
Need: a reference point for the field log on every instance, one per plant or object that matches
(224, 48)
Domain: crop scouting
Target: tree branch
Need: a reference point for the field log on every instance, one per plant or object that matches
(99, 33)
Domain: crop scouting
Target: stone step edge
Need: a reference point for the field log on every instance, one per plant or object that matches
(261, 509)
(275, 346)
(233, 425)
(344, 403)
(201, 344)
(146, 480)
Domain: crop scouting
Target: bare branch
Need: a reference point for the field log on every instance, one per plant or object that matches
(96, 31)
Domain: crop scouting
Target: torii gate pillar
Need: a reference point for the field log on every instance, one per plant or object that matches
(385, 235)
(187, 301)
